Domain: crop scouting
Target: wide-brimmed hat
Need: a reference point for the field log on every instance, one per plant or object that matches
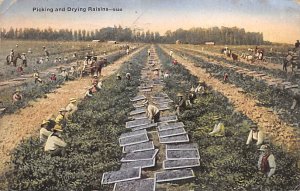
(45, 122)
(179, 95)
(264, 148)
(57, 128)
(23, 53)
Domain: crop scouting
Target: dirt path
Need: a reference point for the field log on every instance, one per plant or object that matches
(279, 132)
(26, 122)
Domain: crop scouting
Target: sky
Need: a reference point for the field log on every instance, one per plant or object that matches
(278, 20)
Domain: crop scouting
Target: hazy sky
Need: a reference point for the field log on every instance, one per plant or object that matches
(279, 20)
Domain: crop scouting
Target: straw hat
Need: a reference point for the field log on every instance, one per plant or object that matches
(179, 95)
(45, 122)
(264, 148)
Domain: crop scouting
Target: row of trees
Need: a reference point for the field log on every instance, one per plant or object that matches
(223, 35)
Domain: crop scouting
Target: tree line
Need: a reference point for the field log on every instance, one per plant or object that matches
(223, 35)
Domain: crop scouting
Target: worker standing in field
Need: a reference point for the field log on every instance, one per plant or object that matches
(53, 77)
(266, 162)
(128, 76)
(36, 76)
(72, 106)
(226, 77)
(297, 44)
(60, 120)
(256, 135)
(65, 74)
(219, 128)
(181, 104)
(55, 145)
(17, 96)
(192, 96)
(153, 112)
(201, 88)
(46, 130)
(296, 99)
(24, 59)
(171, 54)
(11, 55)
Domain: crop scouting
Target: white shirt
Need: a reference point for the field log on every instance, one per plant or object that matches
(272, 164)
(54, 142)
(152, 110)
(258, 136)
(71, 107)
(171, 53)
(44, 134)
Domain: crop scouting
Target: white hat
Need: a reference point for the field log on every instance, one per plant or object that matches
(264, 148)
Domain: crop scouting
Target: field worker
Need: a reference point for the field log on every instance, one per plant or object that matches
(153, 112)
(59, 59)
(171, 53)
(89, 92)
(119, 76)
(95, 80)
(41, 61)
(55, 60)
(296, 100)
(55, 145)
(17, 96)
(36, 76)
(219, 129)
(46, 130)
(65, 74)
(181, 103)
(148, 52)
(266, 161)
(127, 51)
(74, 55)
(17, 45)
(166, 74)
(192, 96)
(46, 53)
(95, 88)
(255, 135)
(175, 62)
(53, 77)
(226, 77)
(128, 76)
(47, 58)
(297, 44)
(60, 120)
(72, 71)
(72, 106)
(24, 59)
(11, 55)
(201, 87)
(20, 70)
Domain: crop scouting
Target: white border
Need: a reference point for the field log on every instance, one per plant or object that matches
(167, 147)
(139, 176)
(123, 150)
(179, 167)
(154, 186)
(159, 129)
(197, 151)
(132, 133)
(153, 156)
(180, 141)
(172, 179)
(171, 135)
(132, 143)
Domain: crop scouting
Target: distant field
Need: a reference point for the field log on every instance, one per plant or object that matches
(273, 52)
(56, 49)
